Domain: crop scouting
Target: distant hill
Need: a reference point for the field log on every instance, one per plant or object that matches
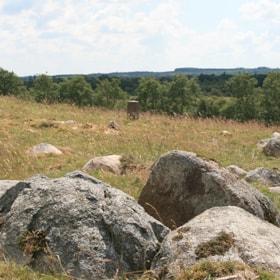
(230, 71)
(191, 71)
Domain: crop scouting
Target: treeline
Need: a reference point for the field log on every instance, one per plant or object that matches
(241, 97)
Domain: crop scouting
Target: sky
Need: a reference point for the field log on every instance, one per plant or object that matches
(103, 36)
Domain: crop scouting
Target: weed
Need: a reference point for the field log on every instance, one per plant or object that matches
(12, 271)
(32, 243)
(128, 163)
(274, 197)
(266, 275)
(212, 270)
(218, 245)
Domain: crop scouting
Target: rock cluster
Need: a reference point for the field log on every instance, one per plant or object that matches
(190, 210)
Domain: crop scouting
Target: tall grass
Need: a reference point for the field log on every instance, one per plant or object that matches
(12, 271)
(24, 124)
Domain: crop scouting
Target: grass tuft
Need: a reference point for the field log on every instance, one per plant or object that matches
(33, 243)
(213, 270)
(218, 245)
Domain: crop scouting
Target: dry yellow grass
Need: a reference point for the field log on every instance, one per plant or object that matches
(12, 271)
(24, 124)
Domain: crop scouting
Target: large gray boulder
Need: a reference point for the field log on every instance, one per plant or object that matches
(44, 148)
(76, 224)
(183, 185)
(111, 163)
(272, 146)
(220, 234)
(265, 176)
(5, 185)
(237, 170)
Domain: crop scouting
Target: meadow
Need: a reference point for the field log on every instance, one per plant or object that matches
(141, 142)
(24, 124)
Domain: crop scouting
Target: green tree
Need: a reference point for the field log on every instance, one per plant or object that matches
(76, 90)
(10, 83)
(164, 97)
(149, 94)
(45, 90)
(271, 99)
(207, 107)
(129, 84)
(182, 92)
(212, 84)
(109, 94)
(243, 88)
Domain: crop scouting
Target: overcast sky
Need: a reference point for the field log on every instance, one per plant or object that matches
(90, 36)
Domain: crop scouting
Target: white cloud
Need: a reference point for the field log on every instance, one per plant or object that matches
(115, 31)
(233, 43)
(227, 25)
(124, 35)
(262, 10)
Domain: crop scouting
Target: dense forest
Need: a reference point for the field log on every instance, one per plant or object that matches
(240, 96)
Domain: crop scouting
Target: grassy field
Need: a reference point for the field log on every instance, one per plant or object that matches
(24, 124)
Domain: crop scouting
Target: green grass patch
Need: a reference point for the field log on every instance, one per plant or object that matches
(12, 271)
(214, 270)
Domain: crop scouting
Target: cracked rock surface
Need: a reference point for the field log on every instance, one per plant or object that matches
(182, 185)
(76, 224)
(222, 234)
